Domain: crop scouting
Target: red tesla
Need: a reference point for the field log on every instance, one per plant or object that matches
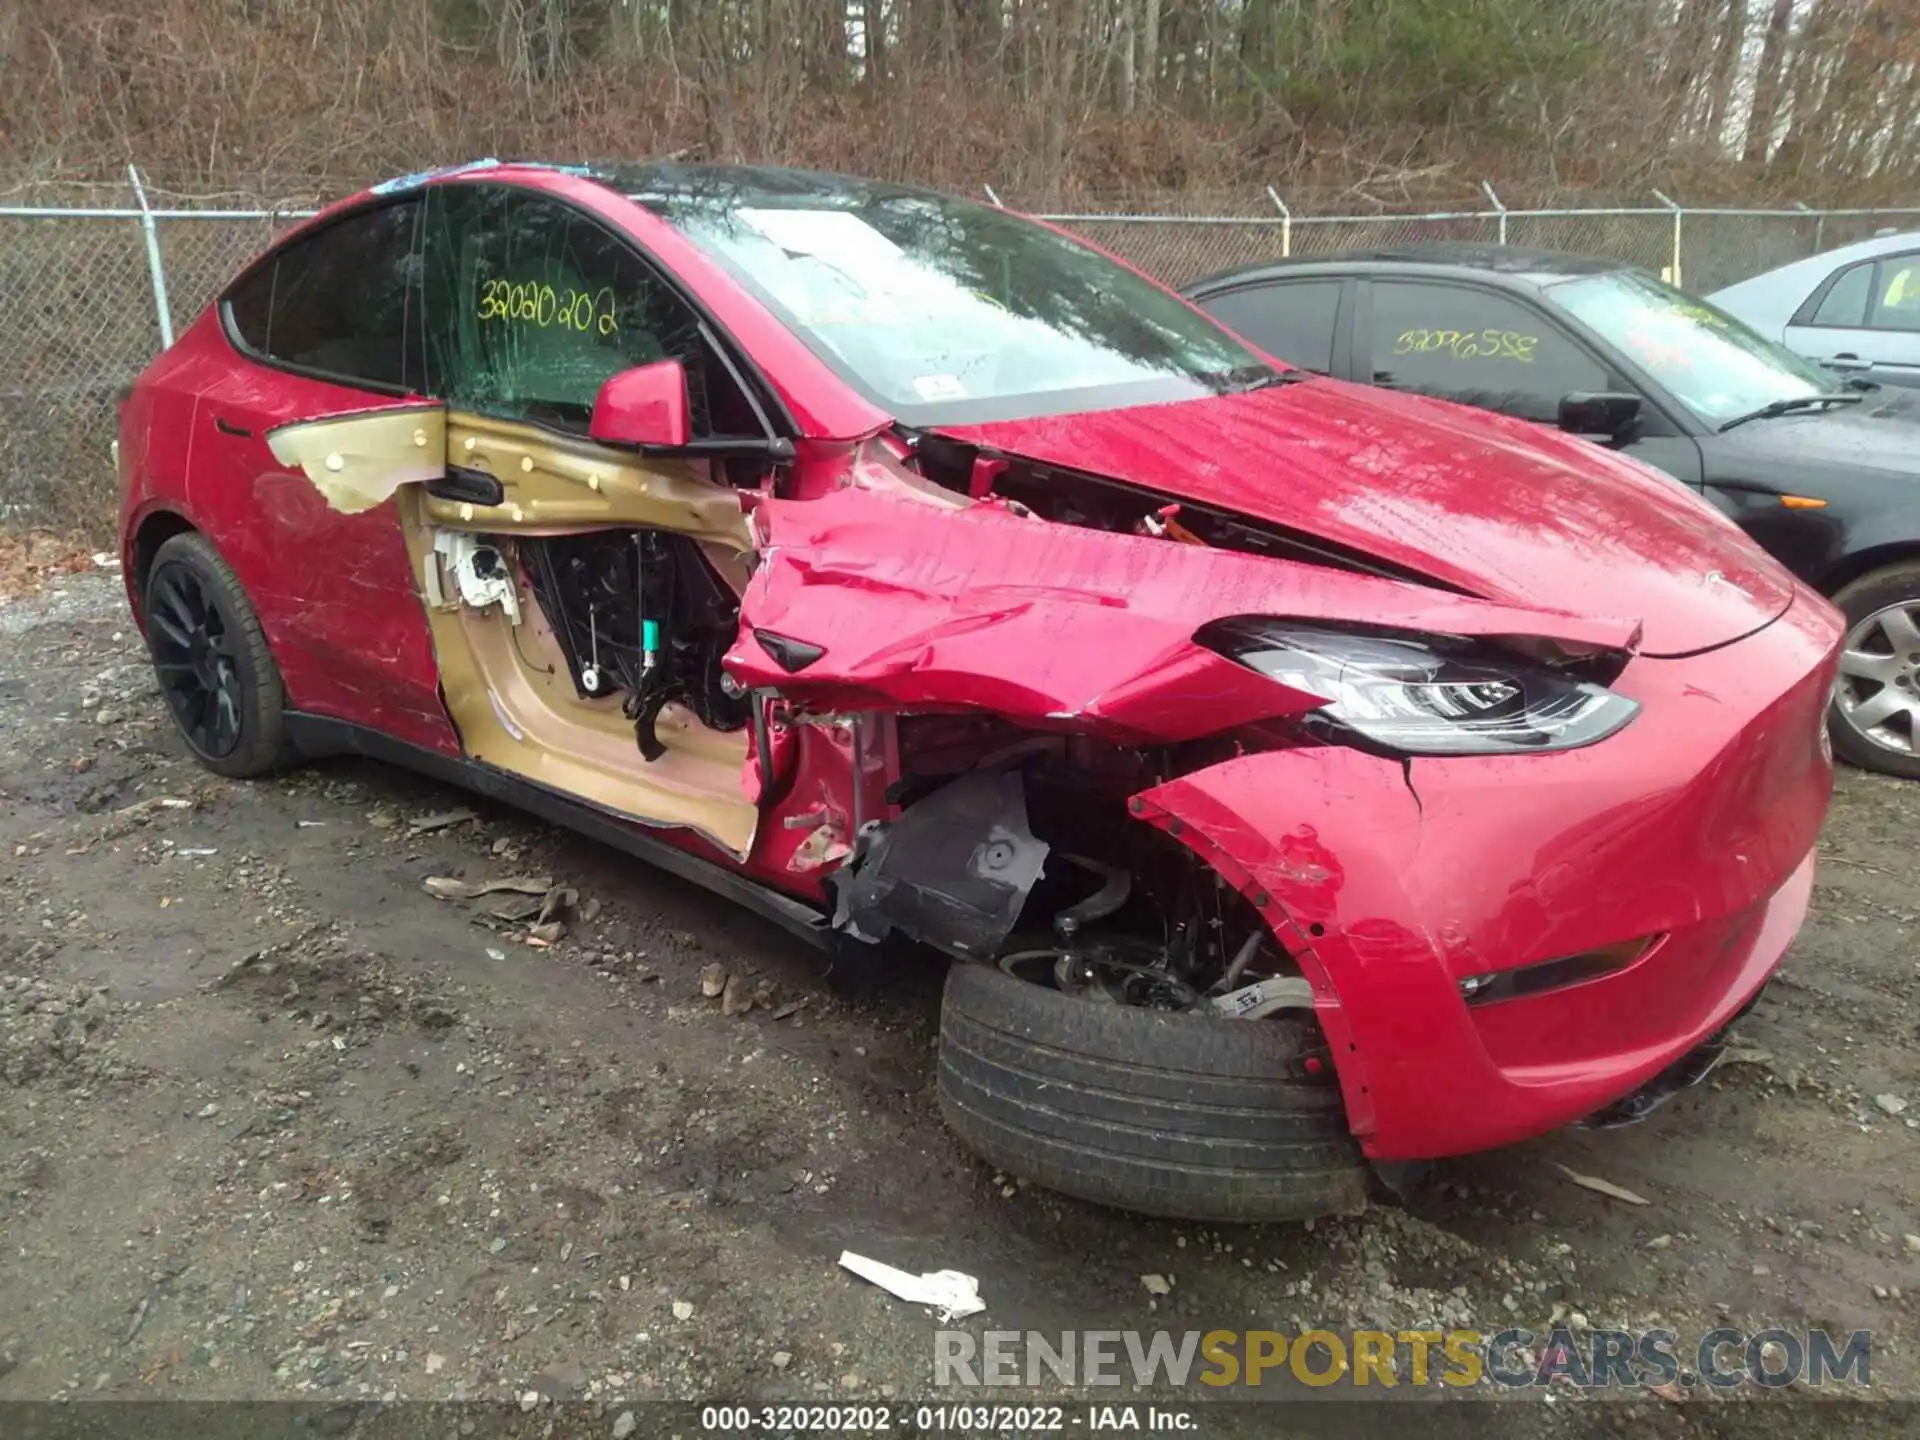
(1297, 774)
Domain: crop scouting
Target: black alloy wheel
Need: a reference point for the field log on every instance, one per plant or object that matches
(193, 651)
(212, 660)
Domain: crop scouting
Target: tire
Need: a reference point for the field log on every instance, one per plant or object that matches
(1884, 597)
(1164, 1113)
(211, 659)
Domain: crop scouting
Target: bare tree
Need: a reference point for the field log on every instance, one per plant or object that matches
(1726, 70)
(1389, 99)
(873, 32)
(1767, 87)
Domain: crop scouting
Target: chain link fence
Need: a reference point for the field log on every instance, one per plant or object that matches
(92, 293)
(82, 290)
(1700, 249)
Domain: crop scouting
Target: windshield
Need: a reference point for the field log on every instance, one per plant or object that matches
(1711, 362)
(944, 311)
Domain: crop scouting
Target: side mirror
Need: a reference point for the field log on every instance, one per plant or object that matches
(646, 406)
(1587, 412)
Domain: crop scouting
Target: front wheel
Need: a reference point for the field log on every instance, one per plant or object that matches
(212, 660)
(1181, 1115)
(1875, 714)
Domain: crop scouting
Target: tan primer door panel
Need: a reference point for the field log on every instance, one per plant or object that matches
(503, 674)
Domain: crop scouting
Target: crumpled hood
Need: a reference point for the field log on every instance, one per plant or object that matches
(1499, 508)
(870, 599)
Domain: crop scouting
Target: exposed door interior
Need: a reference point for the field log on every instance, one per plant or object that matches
(578, 605)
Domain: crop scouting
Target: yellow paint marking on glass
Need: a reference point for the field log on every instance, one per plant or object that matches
(531, 303)
(1702, 314)
(1486, 344)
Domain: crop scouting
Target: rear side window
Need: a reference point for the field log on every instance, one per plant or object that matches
(1896, 302)
(1294, 320)
(341, 302)
(1845, 304)
(1477, 348)
(532, 306)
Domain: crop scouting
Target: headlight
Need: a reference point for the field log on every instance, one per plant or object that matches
(1425, 694)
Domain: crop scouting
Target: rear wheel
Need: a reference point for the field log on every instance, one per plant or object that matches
(1875, 714)
(212, 660)
(1167, 1113)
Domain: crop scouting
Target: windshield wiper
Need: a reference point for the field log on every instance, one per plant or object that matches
(1253, 377)
(1798, 402)
(1280, 377)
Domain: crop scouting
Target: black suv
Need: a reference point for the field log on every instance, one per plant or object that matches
(1822, 470)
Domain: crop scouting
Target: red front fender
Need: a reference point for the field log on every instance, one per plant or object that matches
(1692, 830)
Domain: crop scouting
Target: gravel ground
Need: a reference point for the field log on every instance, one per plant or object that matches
(276, 1120)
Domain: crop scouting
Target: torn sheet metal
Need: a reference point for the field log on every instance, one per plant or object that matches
(358, 461)
(1054, 625)
(952, 872)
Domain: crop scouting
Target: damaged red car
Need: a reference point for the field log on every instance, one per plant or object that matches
(1300, 776)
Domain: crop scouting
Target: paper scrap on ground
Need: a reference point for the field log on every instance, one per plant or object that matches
(448, 887)
(953, 1294)
(1604, 1187)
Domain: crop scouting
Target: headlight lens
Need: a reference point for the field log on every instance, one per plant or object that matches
(1425, 694)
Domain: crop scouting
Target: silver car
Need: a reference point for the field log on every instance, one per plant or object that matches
(1856, 309)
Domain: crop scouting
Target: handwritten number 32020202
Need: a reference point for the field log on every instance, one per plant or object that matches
(1468, 344)
(587, 311)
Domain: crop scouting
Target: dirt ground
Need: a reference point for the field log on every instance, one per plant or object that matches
(275, 1120)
